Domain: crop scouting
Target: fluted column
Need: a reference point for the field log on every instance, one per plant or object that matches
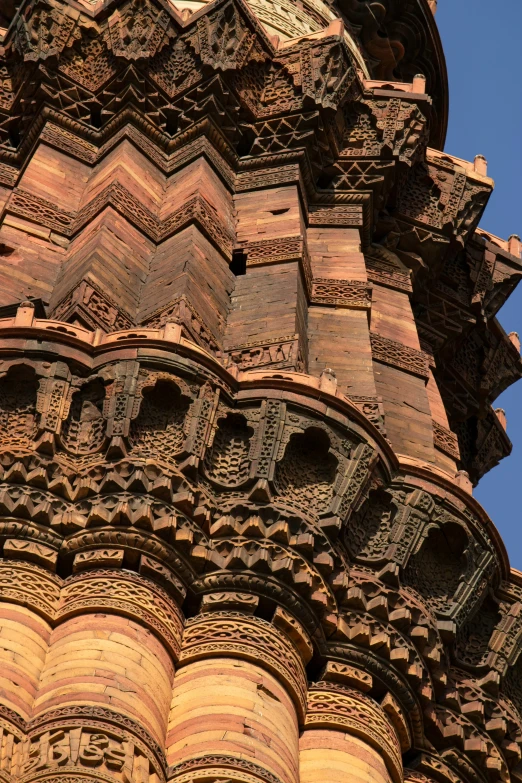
(105, 688)
(238, 700)
(348, 736)
(29, 598)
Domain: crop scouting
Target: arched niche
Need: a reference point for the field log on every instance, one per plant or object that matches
(367, 533)
(472, 644)
(83, 431)
(306, 474)
(440, 565)
(18, 418)
(227, 460)
(158, 429)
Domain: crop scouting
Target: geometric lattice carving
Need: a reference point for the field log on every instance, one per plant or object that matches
(347, 293)
(18, 407)
(368, 530)
(445, 440)
(227, 461)
(398, 355)
(158, 429)
(138, 30)
(306, 474)
(437, 570)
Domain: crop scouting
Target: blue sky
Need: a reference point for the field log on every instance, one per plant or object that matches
(484, 57)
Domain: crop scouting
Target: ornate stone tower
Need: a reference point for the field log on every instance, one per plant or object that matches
(248, 355)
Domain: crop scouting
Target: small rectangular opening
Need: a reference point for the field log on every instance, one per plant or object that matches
(238, 265)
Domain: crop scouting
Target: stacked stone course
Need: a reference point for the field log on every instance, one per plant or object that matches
(248, 360)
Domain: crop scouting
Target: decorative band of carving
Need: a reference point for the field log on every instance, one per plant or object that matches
(428, 350)
(115, 195)
(141, 542)
(95, 307)
(431, 768)
(31, 586)
(185, 154)
(91, 715)
(53, 740)
(341, 293)
(196, 209)
(181, 310)
(282, 352)
(46, 213)
(11, 723)
(8, 175)
(445, 440)
(410, 776)
(398, 355)
(101, 748)
(12, 744)
(337, 707)
(372, 408)
(129, 594)
(78, 147)
(272, 251)
(222, 767)
(253, 180)
(387, 275)
(233, 634)
(30, 551)
(64, 139)
(199, 210)
(70, 774)
(339, 215)
(306, 266)
(281, 250)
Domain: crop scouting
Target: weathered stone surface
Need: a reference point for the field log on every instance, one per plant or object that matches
(248, 362)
